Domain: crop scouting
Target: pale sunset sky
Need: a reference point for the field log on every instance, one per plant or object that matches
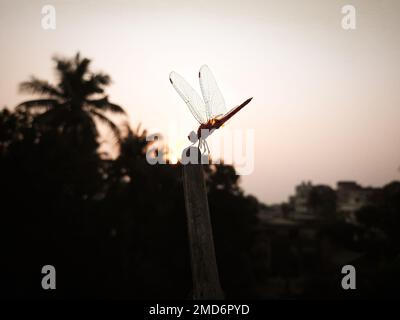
(326, 101)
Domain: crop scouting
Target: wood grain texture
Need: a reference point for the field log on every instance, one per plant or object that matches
(205, 277)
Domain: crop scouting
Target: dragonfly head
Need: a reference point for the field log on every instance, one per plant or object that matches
(193, 137)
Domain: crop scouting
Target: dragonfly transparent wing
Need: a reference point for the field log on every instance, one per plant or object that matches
(214, 101)
(190, 96)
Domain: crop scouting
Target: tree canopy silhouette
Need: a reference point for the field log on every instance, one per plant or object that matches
(117, 227)
(112, 227)
(75, 101)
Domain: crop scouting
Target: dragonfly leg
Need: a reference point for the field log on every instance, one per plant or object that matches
(206, 148)
(202, 145)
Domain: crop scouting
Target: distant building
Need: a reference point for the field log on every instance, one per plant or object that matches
(300, 201)
(351, 197)
(319, 202)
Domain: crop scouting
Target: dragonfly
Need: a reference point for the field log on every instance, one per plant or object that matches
(210, 110)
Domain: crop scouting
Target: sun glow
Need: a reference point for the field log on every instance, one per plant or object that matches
(174, 150)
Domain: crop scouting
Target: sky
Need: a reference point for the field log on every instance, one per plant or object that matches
(326, 101)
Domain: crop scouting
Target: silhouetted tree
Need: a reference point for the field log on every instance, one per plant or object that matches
(75, 101)
(384, 216)
(112, 227)
(233, 217)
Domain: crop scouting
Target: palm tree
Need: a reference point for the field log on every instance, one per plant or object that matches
(77, 99)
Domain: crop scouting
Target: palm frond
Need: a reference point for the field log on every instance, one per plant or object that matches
(136, 142)
(96, 83)
(82, 66)
(102, 79)
(38, 104)
(107, 122)
(104, 105)
(62, 65)
(41, 87)
(55, 116)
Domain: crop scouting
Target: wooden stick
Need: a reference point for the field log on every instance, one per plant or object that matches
(204, 266)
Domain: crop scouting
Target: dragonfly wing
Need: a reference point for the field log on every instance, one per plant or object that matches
(214, 101)
(190, 96)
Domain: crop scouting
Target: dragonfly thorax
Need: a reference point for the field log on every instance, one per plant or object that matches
(206, 129)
